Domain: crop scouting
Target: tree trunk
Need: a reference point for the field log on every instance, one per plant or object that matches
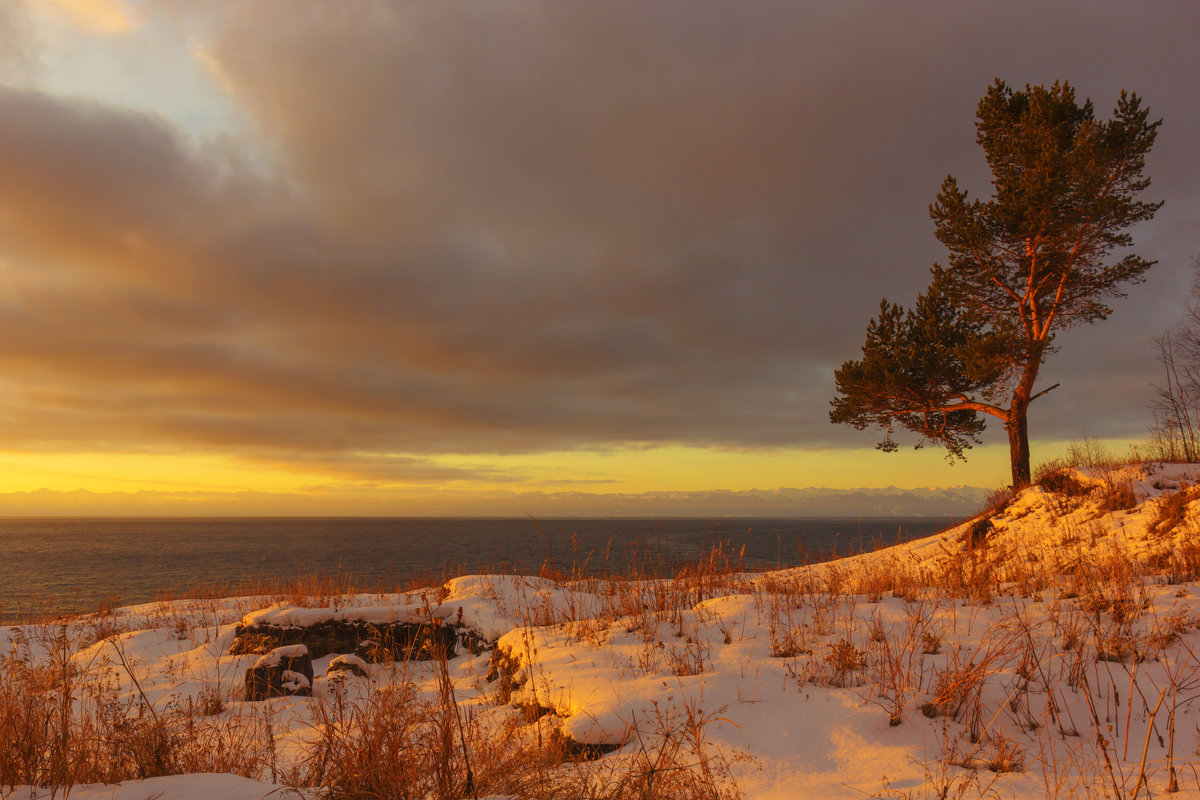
(1018, 420)
(1018, 446)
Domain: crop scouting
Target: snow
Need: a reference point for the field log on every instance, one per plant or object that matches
(275, 657)
(348, 659)
(831, 680)
(294, 681)
(285, 615)
(203, 786)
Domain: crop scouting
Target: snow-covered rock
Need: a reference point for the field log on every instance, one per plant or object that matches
(281, 672)
(347, 663)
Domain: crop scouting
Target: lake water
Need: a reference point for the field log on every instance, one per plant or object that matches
(76, 565)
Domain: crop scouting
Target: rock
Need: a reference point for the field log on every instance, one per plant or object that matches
(248, 642)
(296, 683)
(281, 672)
(503, 668)
(979, 532)
(572, 750)
(532, 712)
(473, 641)
(375, 642)
(347, 663)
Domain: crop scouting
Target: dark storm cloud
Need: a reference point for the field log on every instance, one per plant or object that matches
(505, 226)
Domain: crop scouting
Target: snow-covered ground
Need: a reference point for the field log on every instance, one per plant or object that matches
(1051, 653)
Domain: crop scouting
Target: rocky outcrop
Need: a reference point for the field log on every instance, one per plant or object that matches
(281, 672)
(371, 641)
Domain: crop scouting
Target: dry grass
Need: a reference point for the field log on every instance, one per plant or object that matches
(1003, 700)
(62, 723)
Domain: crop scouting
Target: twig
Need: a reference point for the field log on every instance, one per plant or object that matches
(1100, 740)
(133, 677)
(1145, 747)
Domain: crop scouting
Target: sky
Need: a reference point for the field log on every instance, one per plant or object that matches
(502, 257)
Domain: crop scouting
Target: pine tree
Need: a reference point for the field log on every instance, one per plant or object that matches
(1035, 259)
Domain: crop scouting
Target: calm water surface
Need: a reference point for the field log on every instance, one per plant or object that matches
(80, 564)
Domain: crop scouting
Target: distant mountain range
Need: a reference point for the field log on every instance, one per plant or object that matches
(955, 501)
(812, 502)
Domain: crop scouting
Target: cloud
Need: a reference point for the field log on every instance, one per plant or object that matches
(99, 17)
(496, 227)
(18, 46)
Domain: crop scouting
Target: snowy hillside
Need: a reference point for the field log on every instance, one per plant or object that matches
(1050, 650)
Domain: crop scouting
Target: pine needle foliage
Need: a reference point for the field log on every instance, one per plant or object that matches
(1038, 257)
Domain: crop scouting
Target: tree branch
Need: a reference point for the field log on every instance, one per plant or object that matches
(1044, 391)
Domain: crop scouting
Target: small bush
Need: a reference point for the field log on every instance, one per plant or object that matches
(1090, 452)
(1118, 497)
(844, 660)
(1008, 756)
(997, 501)
(1062, 482)
(1046, 469)
(1172, 511)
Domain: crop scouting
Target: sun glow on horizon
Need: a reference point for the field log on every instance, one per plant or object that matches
(131, 472)
(475, 478)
